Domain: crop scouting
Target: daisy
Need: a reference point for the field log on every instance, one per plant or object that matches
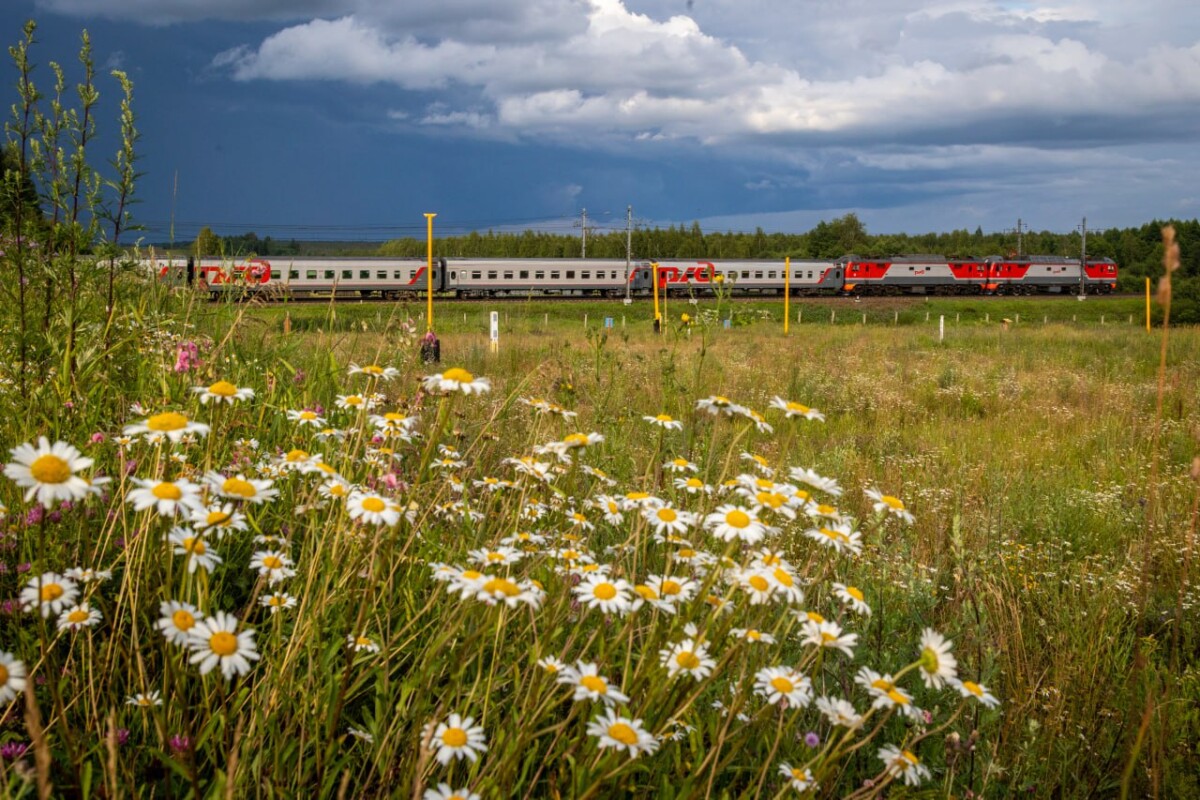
(171, 425)
(608, 595)
(457, 738)
(668, 520)
(190, 544)
(778, 684)
(168, 498)
(852, 597)
(666, 422)
(444, 792)
(828, 634)
(677, 589)
(375, 371)
(552, 665)
(355, 402)
(718, 404)
(758, 419)
(335, 489)
(837, 536)
(372, 509)
(219, 519)
(242, 488)
(938, 665)
(811, 478)
(88, 575)
(222, 392)
(622, 733)
(799, 778)
(304, 417)
(688, 658)
(752, 635)
(839, 712)
(886, 504)
(786, 583)
(680, 465)
(145, 700)
(885, 691)
(456, 380)
(693, 485)
(360, 644)
(277, 601)
(215, 640)
(975, 690)
(178, 620)
(12, 677)
(48, 471)
(903, 764)
(76, 617)
(761, 463)
(757, 585)
(274, 565)
(49, 593)
(729, 522)
(590, 684)
(360, 734)
(495, 589)
(792, 410)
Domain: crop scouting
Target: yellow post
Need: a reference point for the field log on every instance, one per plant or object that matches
(657, 316)
(787, 292)
(1147, 305)
(429, 276)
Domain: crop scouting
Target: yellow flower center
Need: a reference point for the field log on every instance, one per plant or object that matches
(276, 600)
(753, 636)
(720, 400)
(51, 592)
(457, 374)
(194, 545)
(217, 518)
(297, 455)
(783, 576)
(167, 491)
(605, 591)
(363, 641)
(671, 587)
(681, 462)
(372, 369)
(454, 737)
(183, 620)
(667, 514)
(502, 586)
(569, 555)
(3, 674)
(223, 643)
(664, 418)
(897, 698)
(910, 757)
(272, 562)
(338, 490)
(646, 592)
(970, 686)
(239, 487)
(798, 408)
(783, 685)
(772, 499)
(169, 421)
(828, 511)
(223, 389)
(594, 683)
(737, 519)
(695, 483)
(576, 440)
(353, 400)
(929, 660)
(770, 559)
(636, 496)
(470, 574)
(77, 616)
(798, 773)
(855, 593)
(759, 583)
(687, 660)
(494, 556)
(50, 469)
(895, 503)
(827, 637)
(814, 616)
(622, 733)
(373, 504)
(686, 552)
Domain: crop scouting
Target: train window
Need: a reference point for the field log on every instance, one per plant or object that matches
(274, 274)
(614, 274)
(524, 274)
(328, 274)
(491, 275)
(310, 274)
(412, 274)
(771, 274)
(453, 276)
(381, 274)
(508, 276)
(364, 274)
(570, 274)
(554, 276)
(810, 273)
(476, 275)
(396, 274)
(539, 275)
(347, 274)
(293, 274)
(746, 274)
(587, 276)
(758, 273)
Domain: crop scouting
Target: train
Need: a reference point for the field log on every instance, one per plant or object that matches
(397, 278)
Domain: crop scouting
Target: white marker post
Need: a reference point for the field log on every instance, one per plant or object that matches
(941, 327)
(495, 340)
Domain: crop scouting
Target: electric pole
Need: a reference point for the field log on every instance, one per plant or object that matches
(1083, 259)
(584, 215)
(1020, 248)
(628, 245)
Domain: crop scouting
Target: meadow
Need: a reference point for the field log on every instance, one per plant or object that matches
(290, 559)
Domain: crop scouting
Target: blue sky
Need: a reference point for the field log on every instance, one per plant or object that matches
(349, 119)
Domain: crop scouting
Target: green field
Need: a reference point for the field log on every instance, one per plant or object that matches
(1045, 465)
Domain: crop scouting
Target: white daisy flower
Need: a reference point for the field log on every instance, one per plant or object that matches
(665, 421)
(77, 617)
(375, 371)
(839, 712)
(611, 596)
(191, 545)
(372, 509)
(274, 565)
(49, 593)
(938, 665)
(590, 684)
(457, 738)
(828, 634)
(222, 392)
(793, 410)
(277, 601)
(887, 504)
(167, 498)
(778, 684)
(456, 380)
(12, 677)
(170, 425)
(145, 700)
(444, 792)
(219, 520)
(688, 658)
(730, 522)
(47, 471)
(239, 487)
(799, 778)
(215, 641)
(178, 620)
(903, 764)
(974, 690)
(622, 733)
